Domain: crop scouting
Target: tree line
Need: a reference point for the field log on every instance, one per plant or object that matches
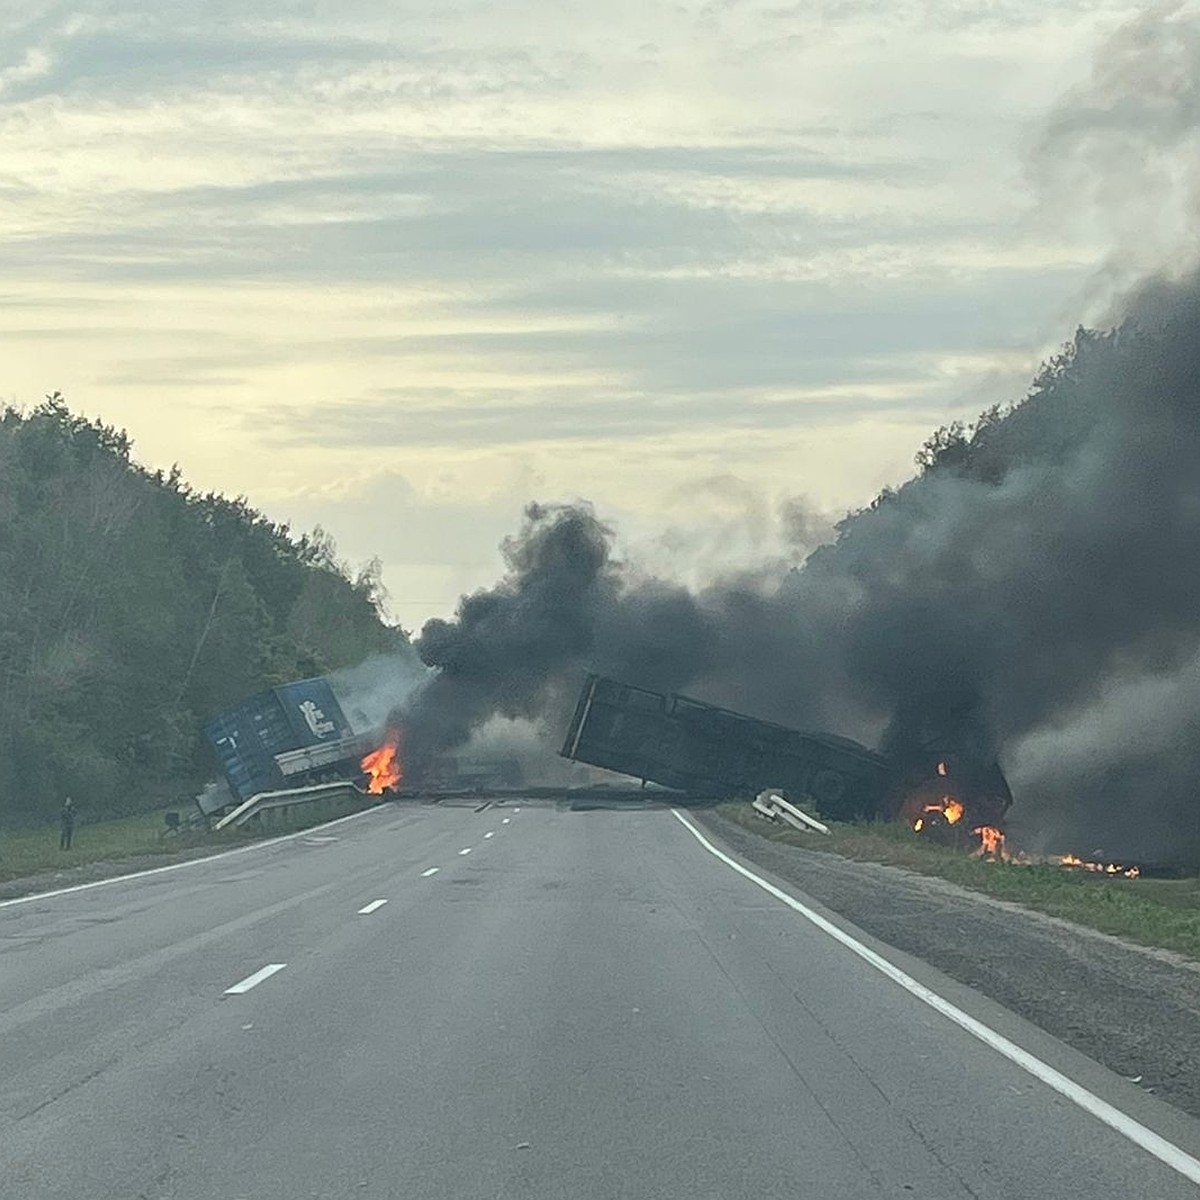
(133, 608)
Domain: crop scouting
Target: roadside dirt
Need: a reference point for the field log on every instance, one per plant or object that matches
(1133, 1009)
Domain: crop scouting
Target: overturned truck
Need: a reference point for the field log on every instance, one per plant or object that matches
(706, 751)
(293, 735)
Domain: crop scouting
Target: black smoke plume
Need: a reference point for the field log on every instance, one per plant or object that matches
(1042, 562)
(518, 649)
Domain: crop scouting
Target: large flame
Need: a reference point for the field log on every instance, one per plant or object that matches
(991, 842)
(383, 766)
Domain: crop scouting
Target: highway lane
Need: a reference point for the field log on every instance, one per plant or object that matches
(585, 1005)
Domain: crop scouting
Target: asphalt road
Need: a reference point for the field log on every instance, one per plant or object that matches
(585, 1005)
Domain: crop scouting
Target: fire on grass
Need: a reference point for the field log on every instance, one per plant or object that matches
(948, 817)
(1099, 868)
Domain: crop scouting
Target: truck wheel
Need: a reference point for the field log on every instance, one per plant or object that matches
(828, 788)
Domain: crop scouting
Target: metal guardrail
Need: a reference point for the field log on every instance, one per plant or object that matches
(774, 807)
(265, 801)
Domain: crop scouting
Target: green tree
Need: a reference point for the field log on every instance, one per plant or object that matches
(132, 609)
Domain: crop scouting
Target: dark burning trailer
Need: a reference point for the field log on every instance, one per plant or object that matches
(714, 752)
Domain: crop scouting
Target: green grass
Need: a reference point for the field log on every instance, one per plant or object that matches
(1156, 912)
(29, 852)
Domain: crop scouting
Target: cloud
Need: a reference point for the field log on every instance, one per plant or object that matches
(624, 248)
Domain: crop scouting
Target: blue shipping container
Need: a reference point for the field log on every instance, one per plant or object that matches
(312, 711)
(247, 738)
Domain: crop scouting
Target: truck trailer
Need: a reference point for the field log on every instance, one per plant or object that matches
(289, 736)
(708, 752)
(713, 752)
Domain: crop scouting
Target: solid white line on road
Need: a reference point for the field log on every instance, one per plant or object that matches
(191, 862)
(466, 851)
(489, 834)
(505, 821)
(1166, 1152)
(367, 910)
(252, 981)
(431, 871)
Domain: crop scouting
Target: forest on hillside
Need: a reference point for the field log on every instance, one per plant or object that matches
(133, 608)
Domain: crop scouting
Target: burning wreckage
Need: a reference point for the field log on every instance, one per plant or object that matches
(294, 735)
(298, 734)
(703, 751)
(706, 751)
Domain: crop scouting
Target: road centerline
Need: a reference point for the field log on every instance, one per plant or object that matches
(368, 909)
(466, 851)
(252, 981)
(430, 871)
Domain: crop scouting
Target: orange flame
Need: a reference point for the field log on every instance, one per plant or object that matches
(1099, 868)
(991, 842)
(919, 824)
(383, 766)
(950, 807)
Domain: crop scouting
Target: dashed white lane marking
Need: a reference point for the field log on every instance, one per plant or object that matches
(1166, 1152)
(368, 909)
(489, 834)
(506, 820)
(466, 851)
(516, 810)
(252, 981)
(431, 871)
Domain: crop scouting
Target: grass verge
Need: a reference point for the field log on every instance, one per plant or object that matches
(1155, 912)
(30, 852)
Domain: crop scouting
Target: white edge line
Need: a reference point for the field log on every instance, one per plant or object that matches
(431, 871)
(1165, 1151)
(252, 981)
(466, 851)
(368, 909)
(191, 862)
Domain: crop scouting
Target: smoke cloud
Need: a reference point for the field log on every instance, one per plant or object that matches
(1042, 562)
(1031, 593)
(369, 692)
(1120, 154)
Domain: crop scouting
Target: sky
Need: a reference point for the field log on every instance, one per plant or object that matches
(399, 269)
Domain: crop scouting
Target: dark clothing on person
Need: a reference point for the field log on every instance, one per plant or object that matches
(67, 825)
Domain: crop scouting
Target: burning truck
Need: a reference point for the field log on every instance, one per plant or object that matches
(295, 735)
(706, 751)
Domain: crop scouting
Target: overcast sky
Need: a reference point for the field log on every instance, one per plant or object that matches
(398, 268)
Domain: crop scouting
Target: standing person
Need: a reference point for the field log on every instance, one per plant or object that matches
(67, 823)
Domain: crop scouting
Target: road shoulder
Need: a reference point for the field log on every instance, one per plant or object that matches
(1135, 1010)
